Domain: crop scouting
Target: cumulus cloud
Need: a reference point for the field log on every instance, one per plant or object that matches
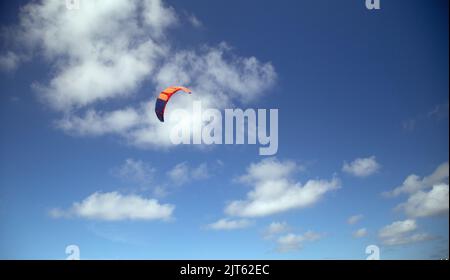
(218, 74)
(136, 124)
(401, 232)
(362, 232)
(424, 204)
(274, 191)
(113, 206)
(275, 228)
(228, 224)
(361, 167)
(117, 52)
(294, 242)
(414, 183)
(354, 219)
(427, 196)
(125, 44)
(267, 170)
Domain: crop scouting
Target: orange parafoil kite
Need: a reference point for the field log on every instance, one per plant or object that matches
(164, 97)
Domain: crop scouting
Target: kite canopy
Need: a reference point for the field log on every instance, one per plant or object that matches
(164, 97)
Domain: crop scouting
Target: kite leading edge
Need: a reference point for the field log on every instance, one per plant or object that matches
(164, 97)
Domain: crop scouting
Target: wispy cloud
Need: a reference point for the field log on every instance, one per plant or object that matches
(362, 232)
(401, 232)
(438, 113)
(182, 173)
(195, 21)
(9, 61)
(144, 177)
(135, 171)
(354, 219)
(275, 228)
(409, 125)
(295, 242)
(229, 224)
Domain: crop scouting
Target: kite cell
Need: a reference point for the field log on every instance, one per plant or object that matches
(164, 97)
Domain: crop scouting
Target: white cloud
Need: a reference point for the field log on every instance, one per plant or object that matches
(398, 228)
(267, 170)
(401, 232)
(98, 123)
(221, 79)
(293, 242)
(427, 196)
(217, 78)
(59, 213)
(9, 61)
(275, 228)
(200, 172)
(142, 175)
(274, 191)
(158, 16)
(195, 21)
(360, 233)
(414, 183)
(135, 171)
(424, 204)
(227, 224)
(354, 219)
(362, 167)
(114, 206)
(182, 173)
(137, 125)
(124, 44)
(117, 51)
(216, 82)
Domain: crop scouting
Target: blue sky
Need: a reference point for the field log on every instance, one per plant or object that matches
(363, 106)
